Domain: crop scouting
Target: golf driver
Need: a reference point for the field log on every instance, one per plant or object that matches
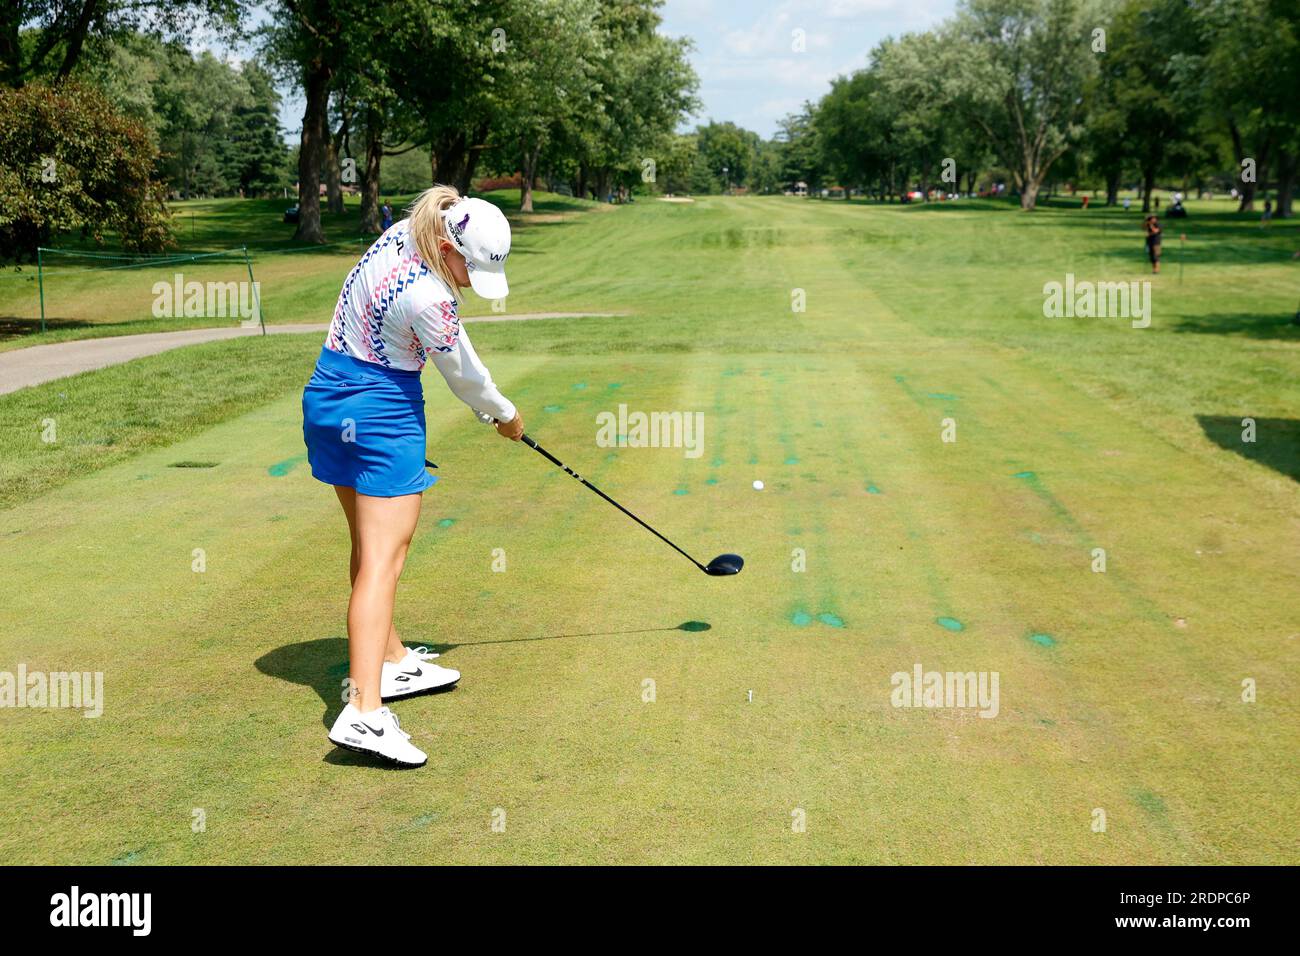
(723, 564)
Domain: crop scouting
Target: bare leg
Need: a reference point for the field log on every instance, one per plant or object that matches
(384, 527)
(393, 651)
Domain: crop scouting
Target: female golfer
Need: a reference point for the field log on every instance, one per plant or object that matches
(1152, 228)
(363, 421)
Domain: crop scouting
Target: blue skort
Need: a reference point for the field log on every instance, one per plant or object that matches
(364, 426)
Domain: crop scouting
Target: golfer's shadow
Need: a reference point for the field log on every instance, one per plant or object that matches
(321, 665)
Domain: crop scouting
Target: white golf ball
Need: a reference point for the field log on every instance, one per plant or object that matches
(758, 486)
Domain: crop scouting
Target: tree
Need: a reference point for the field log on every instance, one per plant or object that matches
(728, 152)
(1024, 66)
(37, 34)
(548, 79)
(643, 86)
(256, 160)
(312, 39)
(857, 133)
(912, 73)
(1248, 74)
(798, 148)
(75, 164)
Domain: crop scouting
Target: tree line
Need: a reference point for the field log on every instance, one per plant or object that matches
(1190, 93)
(584, 92)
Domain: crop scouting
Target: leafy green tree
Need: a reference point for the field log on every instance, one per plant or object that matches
(643, 86)
(74, 163)
(313, 40)
(857, 133)
(728, 152)
(549, 79)
(1248, 75)
(256, 161)
(1024, 65)
(798, 148)
(46, 38)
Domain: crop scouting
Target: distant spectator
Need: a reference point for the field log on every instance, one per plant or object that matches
(1268, 213)
(1085, 201)
(1152, 228)
(1126, 203)
(385, 216)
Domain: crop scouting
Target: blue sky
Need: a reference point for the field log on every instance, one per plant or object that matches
(748, 71)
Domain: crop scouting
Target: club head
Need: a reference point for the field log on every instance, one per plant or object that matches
(725, 564)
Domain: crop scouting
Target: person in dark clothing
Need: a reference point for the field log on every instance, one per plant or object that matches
(1152, 228)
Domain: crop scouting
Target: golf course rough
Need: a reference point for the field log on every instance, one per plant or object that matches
(220, 683)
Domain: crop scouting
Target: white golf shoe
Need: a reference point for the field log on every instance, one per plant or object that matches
(413, 676)
(377, 733)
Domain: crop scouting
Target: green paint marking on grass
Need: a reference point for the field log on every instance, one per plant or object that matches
(792, 460)
(446, 522)
(1026, 475)
(801, 618)
(873, 490)
(1149, 802)
(614, 385)
(579, 386)
(420, 822)
(834, 620)
(711, 481)
(127, 859)
(282, 468)
(950, 623)
(552, 408)
(694, 626)
(681, 491)
(1043, 640)
(718, 463)
(941, 396)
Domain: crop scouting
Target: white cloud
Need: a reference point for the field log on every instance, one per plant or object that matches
(749, 71)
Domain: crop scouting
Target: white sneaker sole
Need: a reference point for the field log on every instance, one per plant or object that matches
(430, 689)
(355, 745)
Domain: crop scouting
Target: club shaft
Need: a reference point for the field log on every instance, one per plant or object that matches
(573, 474)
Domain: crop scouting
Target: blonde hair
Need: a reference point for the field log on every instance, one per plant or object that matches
(428, 227)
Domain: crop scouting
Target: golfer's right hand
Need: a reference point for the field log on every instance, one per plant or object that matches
(514, 429)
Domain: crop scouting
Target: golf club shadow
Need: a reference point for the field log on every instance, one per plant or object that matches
(322, 665)
(689, 626)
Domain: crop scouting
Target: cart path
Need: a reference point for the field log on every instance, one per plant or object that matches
(20, 368)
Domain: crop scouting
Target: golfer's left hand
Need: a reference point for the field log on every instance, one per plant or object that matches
(514, 430)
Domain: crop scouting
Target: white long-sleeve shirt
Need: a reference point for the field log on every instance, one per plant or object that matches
(394, 311)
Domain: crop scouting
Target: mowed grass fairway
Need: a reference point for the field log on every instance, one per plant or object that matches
(1119, 691)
